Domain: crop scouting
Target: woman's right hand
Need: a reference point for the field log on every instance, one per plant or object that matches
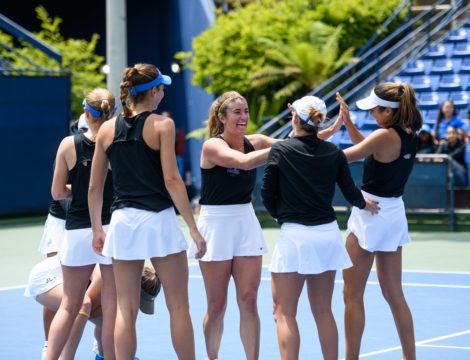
(200, 243)
(98, 241)
(372, 206)
(343, 109)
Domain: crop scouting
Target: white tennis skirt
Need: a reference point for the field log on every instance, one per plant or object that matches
(52, 236)
(44, 276)
(136, 234)
(309, 249)
(385, 231)
(77, 249)
(229, 230)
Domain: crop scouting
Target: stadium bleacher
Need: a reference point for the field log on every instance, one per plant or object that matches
(442, 72)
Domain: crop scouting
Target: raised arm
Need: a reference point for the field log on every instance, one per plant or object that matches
(174, 184)
(353, 132)
(217, 152)
(260, 141)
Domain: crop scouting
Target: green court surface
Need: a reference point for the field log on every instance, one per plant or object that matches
(428, 251)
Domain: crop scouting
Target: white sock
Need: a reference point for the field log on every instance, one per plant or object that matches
(44, 351)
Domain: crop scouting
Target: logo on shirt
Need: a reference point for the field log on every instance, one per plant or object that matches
(50, 279)
(407, 156)
(233, 171)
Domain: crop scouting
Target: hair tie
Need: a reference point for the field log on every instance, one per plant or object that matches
(83, 313)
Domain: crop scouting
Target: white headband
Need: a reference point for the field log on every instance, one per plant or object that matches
(373, 100)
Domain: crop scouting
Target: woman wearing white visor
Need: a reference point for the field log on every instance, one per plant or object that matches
(389, 154)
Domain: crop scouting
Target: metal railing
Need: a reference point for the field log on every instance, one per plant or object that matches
(380, 61)
(6, 68)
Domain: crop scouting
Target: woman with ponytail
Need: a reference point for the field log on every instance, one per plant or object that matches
(298, 189)
(389, 154)
(73, 163)
(140, 147)
(227, 220)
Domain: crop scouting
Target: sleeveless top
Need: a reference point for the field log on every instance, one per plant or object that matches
(137, 169)
(78, 216)
(227, 186)
(56, 210)
(389, 179)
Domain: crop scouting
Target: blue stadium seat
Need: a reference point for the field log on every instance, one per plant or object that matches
(428, 100)
(430, 117)
(417, 67)
(337, 137)
(424, 82)
(465, 66)
(435, 51)
(457, 35)
(461, 50)
(359, 117)
(451, 83)
(460, 99)
(400, 78)
(444, 66)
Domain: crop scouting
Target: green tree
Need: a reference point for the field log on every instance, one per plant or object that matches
(265, 49)
(301, 65)
(78, 56)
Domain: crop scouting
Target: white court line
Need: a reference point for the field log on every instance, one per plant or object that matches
(12, 287)
(436, 272)
(447, 347)
(194, 263)
(264, 278)
(418, 343)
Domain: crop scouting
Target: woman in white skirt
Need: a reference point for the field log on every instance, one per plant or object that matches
(389, 155)
(235, 242)
(45, 285)
(140, 147)
(298, 188)
(71, 178)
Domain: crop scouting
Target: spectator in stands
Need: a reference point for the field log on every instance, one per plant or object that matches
(466, 128)
(426, 141)
(227, 220)
(310, 248)
(447, 116)
(455, 148)
(139, 145)
(389, 154)
(73, 164)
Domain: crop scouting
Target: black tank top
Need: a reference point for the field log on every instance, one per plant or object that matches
(389, 179)
(227, 186)
(56, 209)
(78, 216)
(137, 169)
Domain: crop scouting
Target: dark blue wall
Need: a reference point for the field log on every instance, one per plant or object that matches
(34, 117)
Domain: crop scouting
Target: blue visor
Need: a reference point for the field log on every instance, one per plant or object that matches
(161, 79)
(92, 111)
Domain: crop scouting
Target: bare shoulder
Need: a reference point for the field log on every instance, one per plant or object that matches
(67, 142)
(214, 144)
(162, 123)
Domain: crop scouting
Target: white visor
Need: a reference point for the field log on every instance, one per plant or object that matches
(373, 101)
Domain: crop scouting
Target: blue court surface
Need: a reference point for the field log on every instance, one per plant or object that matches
(439, 301)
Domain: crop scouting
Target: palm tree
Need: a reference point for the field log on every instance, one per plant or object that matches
(294, 65)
